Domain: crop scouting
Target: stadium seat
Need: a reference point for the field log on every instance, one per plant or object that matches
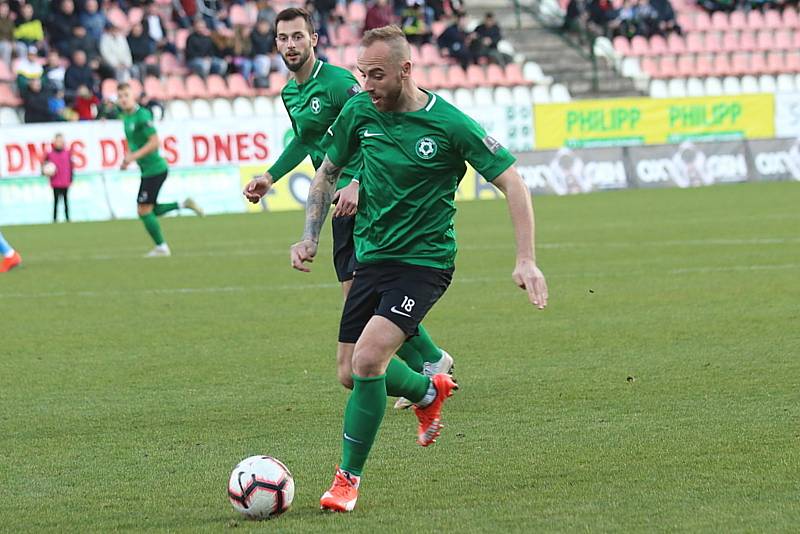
(176, 87)
(702, 22)
(349, 56)
(237, 86)
(420, 77)
(495, 75)
(791, 18)
(676, 87)
(602, 48)
(438, 27)
(686, 66)
(429, 55)
(675, 44)
(686, 20)
(201, 109)
(719, 21)
(740, 63)
(667, 67)
(108, 88)
(639, 46)
(482, 96)
(154, 88)
(446, 95)
(792, 62)
(464, 98)
(703, 66)
(178, 110)
(523, 96)
(559, 93)
(238, 15)
(356, 12)
(695, 43)
(532, 72)
(221, 108)
(263, 106)
(630, 67)
(515, 76)
(755, 20)
(772, 19)
(437, 77)
(276, 83)
(217, 87)
(758, 64)
(346, 35)
(657, 45)
(503, 96)
(622, 45)
(738, 20)
(9, 117)
(242, 107)
(456, 77)
(695, 87)
(476, 77)
(649, 67)
(713, 43)
(747, 41)
(749, 84)
(722, 66)
(713, 86)
(180, 38)
(782, 40)
(776, 62)
(658, 89)
(5, 73)
(767, 84)
(731, 86)
(540, 94)
(196, 87)
(785, 84)
(170, 65)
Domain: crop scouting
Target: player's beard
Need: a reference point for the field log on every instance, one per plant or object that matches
(388, 101)
(294, 67)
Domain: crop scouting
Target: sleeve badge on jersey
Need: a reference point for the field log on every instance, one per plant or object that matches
(353, 91)
(492, 144)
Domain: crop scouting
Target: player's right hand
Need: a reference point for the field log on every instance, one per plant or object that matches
(258, 188)
(303, 252)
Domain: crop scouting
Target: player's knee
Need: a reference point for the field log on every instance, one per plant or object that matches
(346, 378)
(367, 361)
(144, 209)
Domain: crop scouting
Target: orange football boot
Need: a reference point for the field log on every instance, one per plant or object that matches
(342, 495)
(10, 262)
(430, 417)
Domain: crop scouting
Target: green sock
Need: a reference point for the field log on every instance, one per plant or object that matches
(362, 418)
(161, 209)
(425, 346)
(153, 228)
(401, 381)
(411, 356)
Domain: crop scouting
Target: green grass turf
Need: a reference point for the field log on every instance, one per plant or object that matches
(658, 392)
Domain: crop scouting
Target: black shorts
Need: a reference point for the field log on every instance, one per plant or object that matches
(344, 250)
(149, 188)
(399, 292)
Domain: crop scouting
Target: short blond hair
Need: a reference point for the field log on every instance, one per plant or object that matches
(392, 36)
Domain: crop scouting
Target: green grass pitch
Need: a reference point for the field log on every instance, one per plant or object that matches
(658, 392)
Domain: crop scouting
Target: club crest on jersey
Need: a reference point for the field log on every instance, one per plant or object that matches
(426, 148)
(316, 105)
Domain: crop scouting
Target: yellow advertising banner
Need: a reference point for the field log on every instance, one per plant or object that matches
(647, 121)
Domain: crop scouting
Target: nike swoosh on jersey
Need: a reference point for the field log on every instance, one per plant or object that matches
(398, 312)
(330, 132)
(354, 440)
(372, 134)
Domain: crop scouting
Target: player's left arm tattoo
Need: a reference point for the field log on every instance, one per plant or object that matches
(319, 199)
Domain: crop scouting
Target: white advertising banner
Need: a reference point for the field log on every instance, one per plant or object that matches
(787, 115)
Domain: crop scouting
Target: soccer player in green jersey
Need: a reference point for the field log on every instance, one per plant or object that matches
(143, 144)
(313, 100)
(413, 146)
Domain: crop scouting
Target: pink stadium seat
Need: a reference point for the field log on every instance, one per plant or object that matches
(154, 88)
(730, 41)
(738, 20)
(416, 57)
(457, 78)
(429, 55)
(667, 67)
(796, 40)
(657, 45)
(776, 63)
(772, 19)
(176, 88)
(475, 76)
(346, 35)
(180, 38)
(783, 40)
(702, 22)
(639, 46)
(5, 72)
(758, 64)
(350, 56)
(356, 13)
(196, 87)
(238, 86)
(420, 77)
(495, 75)
(108, 88)
(703, 66)
(217, 87)
(793, 61)
(438, 27)
(675, 44)
(686, 21)
(622, 45)
(686, 66)
(790, 18)
(649, 66)
(755, 20)
(765, 41)
(719, 21)
(135, 15)
(740, 64)
(713, 42)
(238, 15)
(276, 83)
(722, 66)
(514, 75)
(695, 43)
(437, 77)
(7, 96)
(747, 40)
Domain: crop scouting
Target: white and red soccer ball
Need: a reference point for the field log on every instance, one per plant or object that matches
(261, 487)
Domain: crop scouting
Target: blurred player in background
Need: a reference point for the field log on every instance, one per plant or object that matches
(143, 146)
(313, 99)
(10, 257)
(58, 167)
(413, 146)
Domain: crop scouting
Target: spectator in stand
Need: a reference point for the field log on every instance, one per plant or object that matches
(36, 104)
(323, 11)
(379, 14)
(667, 22)
(155, 29)
(223, 48)
(184, 12)
(262, 42)
(86, 104)
(454, 41)
(320, 22)
(7, 41)
(54, 71)
(142, 47)
(79, 73)
(55, 100)
(209, 10)
(61, 157)
(603, 14)
(29, 30)
(81, 40)
(29, 68)
(413, 23)
(487, 36)
(62, 24)
(200, 52)
(266, 12)
(92, 19)
(116, 53)
(243, 50)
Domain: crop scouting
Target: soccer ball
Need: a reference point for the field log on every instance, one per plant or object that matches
(49, 169)
(261, 487)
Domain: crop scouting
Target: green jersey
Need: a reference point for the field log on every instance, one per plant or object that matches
(412, 165)
(312, 107)
(138, 129)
